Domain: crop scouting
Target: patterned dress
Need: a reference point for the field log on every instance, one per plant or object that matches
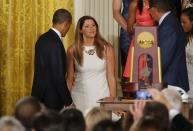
(189, 62)
(189, 3)
(124, 38)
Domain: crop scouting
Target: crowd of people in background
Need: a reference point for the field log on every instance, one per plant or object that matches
(163, 113)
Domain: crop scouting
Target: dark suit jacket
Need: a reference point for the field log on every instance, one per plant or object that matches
(177, 7)
(171, 40)
(49, 84)
(180, 123)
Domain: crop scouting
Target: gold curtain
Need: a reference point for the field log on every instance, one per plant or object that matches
(21, 22)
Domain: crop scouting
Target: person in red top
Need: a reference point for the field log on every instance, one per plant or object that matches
(139, 16)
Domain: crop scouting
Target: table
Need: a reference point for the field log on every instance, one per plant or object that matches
(120, 103)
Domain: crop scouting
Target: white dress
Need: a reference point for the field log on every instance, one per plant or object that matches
(90, 82)
(189, 61)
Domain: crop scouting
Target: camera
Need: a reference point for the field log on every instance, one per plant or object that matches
(143, 94)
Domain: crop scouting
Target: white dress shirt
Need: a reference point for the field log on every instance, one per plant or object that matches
(163, 17)
(57, 32)
(173, 113)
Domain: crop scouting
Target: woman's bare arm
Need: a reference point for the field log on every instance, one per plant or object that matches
(70, 68)
(110, 60)
(131, 18)
(117, 5)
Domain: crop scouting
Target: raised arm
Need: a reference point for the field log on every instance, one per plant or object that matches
(110, 60)
(117, 5)
(131, 19)
(70, 68)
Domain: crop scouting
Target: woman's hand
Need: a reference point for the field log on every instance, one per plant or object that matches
(158, 96)
(137, 109)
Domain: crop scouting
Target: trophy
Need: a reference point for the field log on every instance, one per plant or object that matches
(145, 45)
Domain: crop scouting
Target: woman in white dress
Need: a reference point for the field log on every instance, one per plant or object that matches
(187, 24)
(91, 66)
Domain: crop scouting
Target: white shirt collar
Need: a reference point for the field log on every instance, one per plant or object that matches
(163, 17)
(57, 32)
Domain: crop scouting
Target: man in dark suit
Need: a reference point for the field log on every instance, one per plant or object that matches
(180, 123)
(171, 40)
(49, 85)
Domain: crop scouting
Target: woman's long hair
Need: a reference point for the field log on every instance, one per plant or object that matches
(99, 42)
(140, 6)
(189, 13)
